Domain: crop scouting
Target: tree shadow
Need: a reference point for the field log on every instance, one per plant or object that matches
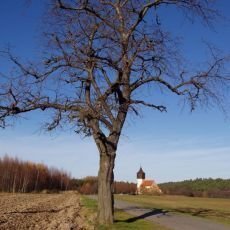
(201, 212)
(150, 213)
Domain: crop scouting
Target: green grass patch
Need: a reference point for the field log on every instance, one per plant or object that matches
(123, 220)
(89, 203)
(210, 208)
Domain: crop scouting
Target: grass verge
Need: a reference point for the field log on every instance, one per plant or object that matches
(122, 219)
(210, 208)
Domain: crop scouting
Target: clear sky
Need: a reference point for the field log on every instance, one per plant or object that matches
(173, 146)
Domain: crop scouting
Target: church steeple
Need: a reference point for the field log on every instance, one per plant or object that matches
(141, 174)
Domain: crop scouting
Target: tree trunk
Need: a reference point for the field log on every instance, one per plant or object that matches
(105, 188)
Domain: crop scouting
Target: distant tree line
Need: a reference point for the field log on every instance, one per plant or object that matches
(24, 176)
(88, 185)
(121, 187)
(198, 187)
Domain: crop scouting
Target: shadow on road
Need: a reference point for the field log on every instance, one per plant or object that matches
(153, 212)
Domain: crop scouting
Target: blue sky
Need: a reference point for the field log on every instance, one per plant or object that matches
(173, 146)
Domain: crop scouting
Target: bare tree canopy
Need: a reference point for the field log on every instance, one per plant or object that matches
(99, 54)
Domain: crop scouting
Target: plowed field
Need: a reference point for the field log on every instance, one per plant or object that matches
(42, 211)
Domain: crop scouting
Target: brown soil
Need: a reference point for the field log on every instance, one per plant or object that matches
(42, 211)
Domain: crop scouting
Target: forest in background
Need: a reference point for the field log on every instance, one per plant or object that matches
(199, 187)
(25, 176)
(218, 188)
(88, 185)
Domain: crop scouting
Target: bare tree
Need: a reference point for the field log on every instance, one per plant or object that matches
(100, 54)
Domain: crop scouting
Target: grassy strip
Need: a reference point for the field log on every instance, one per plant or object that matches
(121, 219)
(210, 208)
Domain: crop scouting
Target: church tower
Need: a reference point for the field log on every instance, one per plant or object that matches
(140, 179)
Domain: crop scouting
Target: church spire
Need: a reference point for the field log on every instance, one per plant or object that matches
(140, 174)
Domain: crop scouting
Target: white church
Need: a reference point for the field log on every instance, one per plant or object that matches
(146, 186)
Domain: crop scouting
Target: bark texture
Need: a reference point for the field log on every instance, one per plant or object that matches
(105, 189)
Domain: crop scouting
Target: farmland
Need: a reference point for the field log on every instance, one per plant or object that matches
(43, 211)
(65, 210)
(69, 210)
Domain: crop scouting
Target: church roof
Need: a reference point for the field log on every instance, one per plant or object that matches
(148, 183)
